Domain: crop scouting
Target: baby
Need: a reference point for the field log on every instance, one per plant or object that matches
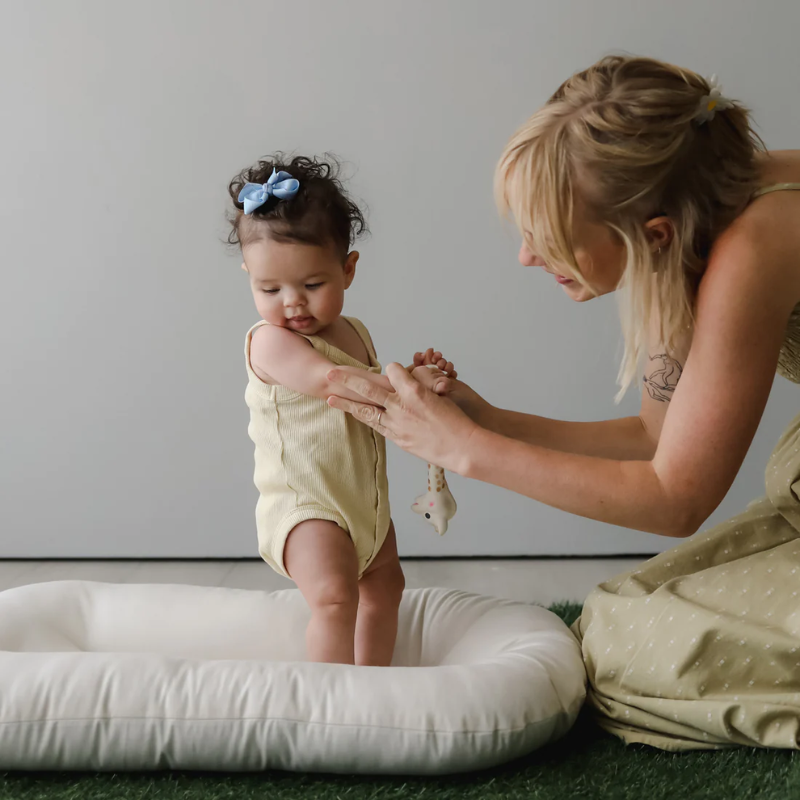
(323, 512)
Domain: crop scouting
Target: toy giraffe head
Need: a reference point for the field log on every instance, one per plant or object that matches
(437, 506)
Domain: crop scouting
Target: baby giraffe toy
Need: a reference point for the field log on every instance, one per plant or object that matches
(438, 506)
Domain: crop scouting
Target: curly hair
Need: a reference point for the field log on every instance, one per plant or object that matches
(320, 213)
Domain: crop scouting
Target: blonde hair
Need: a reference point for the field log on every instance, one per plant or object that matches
(623, 138)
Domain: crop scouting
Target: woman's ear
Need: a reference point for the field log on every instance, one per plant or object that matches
(660, 232)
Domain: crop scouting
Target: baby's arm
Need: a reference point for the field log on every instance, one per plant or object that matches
(291, 361)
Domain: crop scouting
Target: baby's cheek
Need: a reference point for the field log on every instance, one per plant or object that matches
(333, 302)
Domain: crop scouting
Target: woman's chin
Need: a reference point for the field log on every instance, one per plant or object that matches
(581, 294)
(576, 292)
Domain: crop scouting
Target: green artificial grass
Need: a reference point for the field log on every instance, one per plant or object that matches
(587, 764)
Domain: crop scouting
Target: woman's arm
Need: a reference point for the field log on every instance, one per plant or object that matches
(629, 438)
(743, 304)
(625, 439)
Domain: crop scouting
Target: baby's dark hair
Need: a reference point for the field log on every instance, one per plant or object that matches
(320, 213)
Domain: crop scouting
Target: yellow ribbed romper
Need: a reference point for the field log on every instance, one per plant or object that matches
(316, 462)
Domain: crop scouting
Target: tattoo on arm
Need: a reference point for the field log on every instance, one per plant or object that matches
(661, 382)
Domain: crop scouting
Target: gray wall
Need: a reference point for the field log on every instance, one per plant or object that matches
(123, 316)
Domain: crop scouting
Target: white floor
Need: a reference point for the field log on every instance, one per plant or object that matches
(532, 581)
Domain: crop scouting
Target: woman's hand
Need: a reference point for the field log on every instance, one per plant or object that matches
(430, 427)
(471, 403)
(430, 377)
(464, 396)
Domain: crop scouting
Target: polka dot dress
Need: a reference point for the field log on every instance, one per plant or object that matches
(700, 646)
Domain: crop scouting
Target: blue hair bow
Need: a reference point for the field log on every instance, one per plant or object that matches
(280, 184)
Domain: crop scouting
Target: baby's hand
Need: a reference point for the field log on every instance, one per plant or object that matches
(434, 358)
(432, 378)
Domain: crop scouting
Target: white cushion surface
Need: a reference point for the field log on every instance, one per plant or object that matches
(101, 676)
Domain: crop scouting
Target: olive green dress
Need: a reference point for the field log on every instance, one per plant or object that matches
(699, 647)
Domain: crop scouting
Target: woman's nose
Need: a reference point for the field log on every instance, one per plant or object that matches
(526, 258)
(529, 259)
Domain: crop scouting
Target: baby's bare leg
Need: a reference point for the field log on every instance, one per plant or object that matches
(321, 559)
(379, 593)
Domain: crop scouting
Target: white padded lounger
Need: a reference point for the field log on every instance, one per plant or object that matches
(100, 676)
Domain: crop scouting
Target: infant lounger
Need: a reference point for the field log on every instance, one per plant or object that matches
(101, 676)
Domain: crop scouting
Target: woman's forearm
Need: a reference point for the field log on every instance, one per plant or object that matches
(622, 439)
(619, 492)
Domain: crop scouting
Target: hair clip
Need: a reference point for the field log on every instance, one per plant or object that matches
(712, 102)
(280, 184)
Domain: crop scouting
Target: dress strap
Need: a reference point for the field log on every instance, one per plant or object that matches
(363, 334)
(777, 187)
(247, 342)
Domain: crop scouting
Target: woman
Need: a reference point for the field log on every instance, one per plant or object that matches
(641, 176)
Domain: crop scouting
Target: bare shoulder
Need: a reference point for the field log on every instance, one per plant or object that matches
(758, 256)
(749, 289)
(271, 344)
(766, 236)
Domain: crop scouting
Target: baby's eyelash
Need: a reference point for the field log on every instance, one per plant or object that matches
(308, 286)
